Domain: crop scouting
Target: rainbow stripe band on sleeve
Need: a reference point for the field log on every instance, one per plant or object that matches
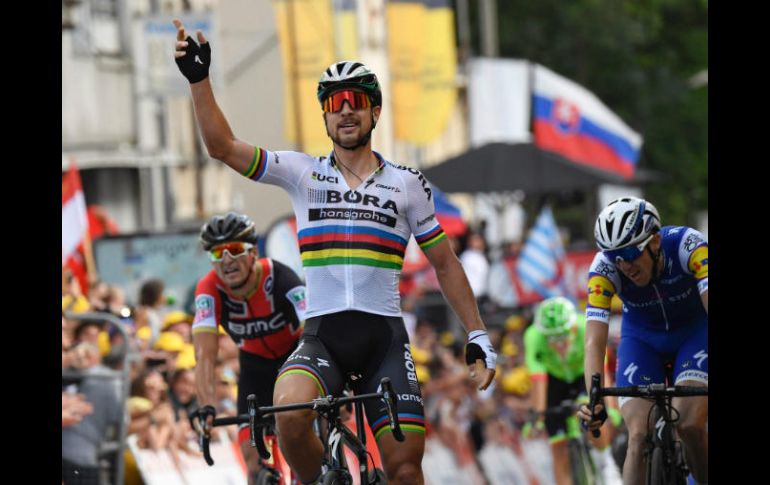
(414, 423)
(430, 238)
(305, 370)
(258, 165)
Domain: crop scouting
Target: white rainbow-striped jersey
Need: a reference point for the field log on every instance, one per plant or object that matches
(352, 242)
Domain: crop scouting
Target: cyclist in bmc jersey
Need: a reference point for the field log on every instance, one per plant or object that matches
(260, 303)
(355, 213)
(553, 352)
(661, 276)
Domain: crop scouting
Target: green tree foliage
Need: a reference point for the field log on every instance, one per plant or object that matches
(638, 58)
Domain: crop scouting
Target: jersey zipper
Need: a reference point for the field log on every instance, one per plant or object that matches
(662, 307)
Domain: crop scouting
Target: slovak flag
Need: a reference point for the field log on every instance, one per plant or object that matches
(571, 121)
(74, 220)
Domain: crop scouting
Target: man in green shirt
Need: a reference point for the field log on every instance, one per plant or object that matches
(553, 350)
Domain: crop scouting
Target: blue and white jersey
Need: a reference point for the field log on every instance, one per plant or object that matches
(671, 301)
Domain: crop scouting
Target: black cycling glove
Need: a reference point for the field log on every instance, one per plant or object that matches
(479, 347)
(195, 64)
(601, 416)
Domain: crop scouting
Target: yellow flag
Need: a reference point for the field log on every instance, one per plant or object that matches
(423, 66)
(345, 30)
(406, 42)
(306, 36)
(439, 91)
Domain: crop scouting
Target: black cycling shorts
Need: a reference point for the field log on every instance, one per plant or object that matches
(364, 347)
(257, 377)
(558, 391)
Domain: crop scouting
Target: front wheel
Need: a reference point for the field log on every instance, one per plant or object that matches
(267, 476)
(583, 470)
(377, 477)
(656, 473)
(680, 467)
(337, 477)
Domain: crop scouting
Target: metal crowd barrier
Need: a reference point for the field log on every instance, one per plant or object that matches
(117, 446)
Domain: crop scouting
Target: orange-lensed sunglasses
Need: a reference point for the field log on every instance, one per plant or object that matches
(356, 100)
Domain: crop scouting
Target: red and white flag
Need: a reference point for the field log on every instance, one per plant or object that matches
(74, 220)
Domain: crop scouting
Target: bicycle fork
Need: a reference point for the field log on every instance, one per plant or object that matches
(664, 438)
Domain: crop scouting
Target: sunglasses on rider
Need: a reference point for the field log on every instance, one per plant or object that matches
(356, 100)
(628, 253)
(234, 249)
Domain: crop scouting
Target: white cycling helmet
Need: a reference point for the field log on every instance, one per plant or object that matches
(349, 74)
(625, 221)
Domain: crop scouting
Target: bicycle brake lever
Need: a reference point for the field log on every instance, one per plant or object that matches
(258, 443)
(203, 441)
(392, 406)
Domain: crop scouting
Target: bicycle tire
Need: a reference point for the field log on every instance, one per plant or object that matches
(267, 476)
(583, 471)
(377, 477)
(680, 470)
(656, 472)
(337, 477)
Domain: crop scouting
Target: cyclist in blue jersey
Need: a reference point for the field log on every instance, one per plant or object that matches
(355, 213)
(661, 276)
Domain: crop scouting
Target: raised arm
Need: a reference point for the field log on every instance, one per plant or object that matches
(193, 60)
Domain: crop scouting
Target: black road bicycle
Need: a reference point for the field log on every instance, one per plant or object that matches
(665, 457)
(338, 436)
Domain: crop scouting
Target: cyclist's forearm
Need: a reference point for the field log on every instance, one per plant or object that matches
(216, 131)
(539, 394)
(595, 348)
(206, 347)
(457, 290)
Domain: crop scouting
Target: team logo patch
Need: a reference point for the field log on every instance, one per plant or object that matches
(691, 242)
(297, 297)
(324, 178)
(204, 307)
(269, 284)
(426, 220)
(605, 269)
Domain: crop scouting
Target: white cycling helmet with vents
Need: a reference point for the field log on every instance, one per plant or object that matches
(349, 74)
(625, 221)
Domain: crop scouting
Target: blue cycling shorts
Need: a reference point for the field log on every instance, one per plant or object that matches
(643, 355)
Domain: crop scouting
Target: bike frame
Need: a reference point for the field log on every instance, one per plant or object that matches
(662, 436)
(339, 435)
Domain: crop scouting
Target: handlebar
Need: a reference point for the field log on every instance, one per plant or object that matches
(260, 418)
(648, 391)
(257, 420)
(655, 390)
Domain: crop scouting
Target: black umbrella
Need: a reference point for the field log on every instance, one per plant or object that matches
(502, 167)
